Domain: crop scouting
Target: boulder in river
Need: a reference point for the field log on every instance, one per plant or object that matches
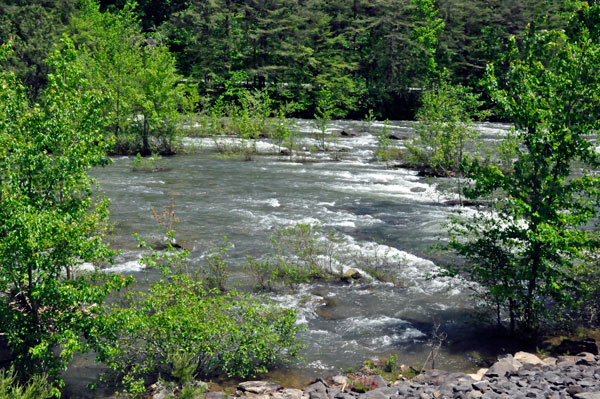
(350, 275)
(396, 137)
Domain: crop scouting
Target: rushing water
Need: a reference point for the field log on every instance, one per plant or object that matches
(389, 213)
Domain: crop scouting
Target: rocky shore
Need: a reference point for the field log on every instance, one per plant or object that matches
(523, 375)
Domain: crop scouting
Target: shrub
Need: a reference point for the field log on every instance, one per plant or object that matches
(38, 387)
(215, 273)
(444, 129)
(232, 334)
(302, 255)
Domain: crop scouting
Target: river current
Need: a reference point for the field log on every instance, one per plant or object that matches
(390, 214)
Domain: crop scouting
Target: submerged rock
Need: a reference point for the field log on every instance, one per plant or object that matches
(396, 137)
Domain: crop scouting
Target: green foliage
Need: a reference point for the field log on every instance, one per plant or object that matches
(385, 151)
(51, 221)
(147, 94)
(38, 387)
(362, 51)
(377, 265)
(149, 164)
(326, 110)
(445, 129)
(525, 252)
(231, 334)
(283, 132)
(248, 115)
(391, 364)
(301, 254)
(215, 272)
(478, 32)
(264, 272)
(33, 27)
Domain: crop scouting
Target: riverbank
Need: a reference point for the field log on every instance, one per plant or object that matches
(521, 376)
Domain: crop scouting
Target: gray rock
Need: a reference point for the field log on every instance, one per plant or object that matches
(339, 379)
(343, 395)
(379, 382)
(482, 386)
(474, 395)
(258, 387)
(333, 391)
(318, 390)
(550, 361)
(389, 391)
(215, 395)
(287, 394)
(351, 274)
(574, 389)
(588, 395)
(502, 368)
(374, 394)
(461, 387)
(159, 391)
(587, 359)
(432, 377)
(527, 358)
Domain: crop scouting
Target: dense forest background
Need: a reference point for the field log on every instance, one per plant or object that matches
(372, 54)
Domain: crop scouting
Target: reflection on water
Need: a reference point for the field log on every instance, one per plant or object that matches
(389, 213)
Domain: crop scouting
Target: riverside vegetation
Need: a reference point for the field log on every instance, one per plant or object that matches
(111, 86)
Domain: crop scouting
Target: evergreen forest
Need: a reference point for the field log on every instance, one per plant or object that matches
(87, 84)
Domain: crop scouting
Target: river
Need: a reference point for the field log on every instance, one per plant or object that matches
(388, 213)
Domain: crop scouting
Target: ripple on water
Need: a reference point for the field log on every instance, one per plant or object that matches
(364, 201)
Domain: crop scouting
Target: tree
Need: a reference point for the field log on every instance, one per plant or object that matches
(326, 110)
(444, 129)
(32, 27)
(138, 72)
(51, 221)
(526, 250)
(478, 31)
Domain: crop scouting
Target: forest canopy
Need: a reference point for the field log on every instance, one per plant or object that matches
(372, 54)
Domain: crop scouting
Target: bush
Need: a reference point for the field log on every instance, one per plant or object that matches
(215, 272)
(38, 387)
(301, 255)
(444, 129)
(232, 334)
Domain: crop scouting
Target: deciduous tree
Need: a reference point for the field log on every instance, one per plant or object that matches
(51, 222)
(525, 251)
